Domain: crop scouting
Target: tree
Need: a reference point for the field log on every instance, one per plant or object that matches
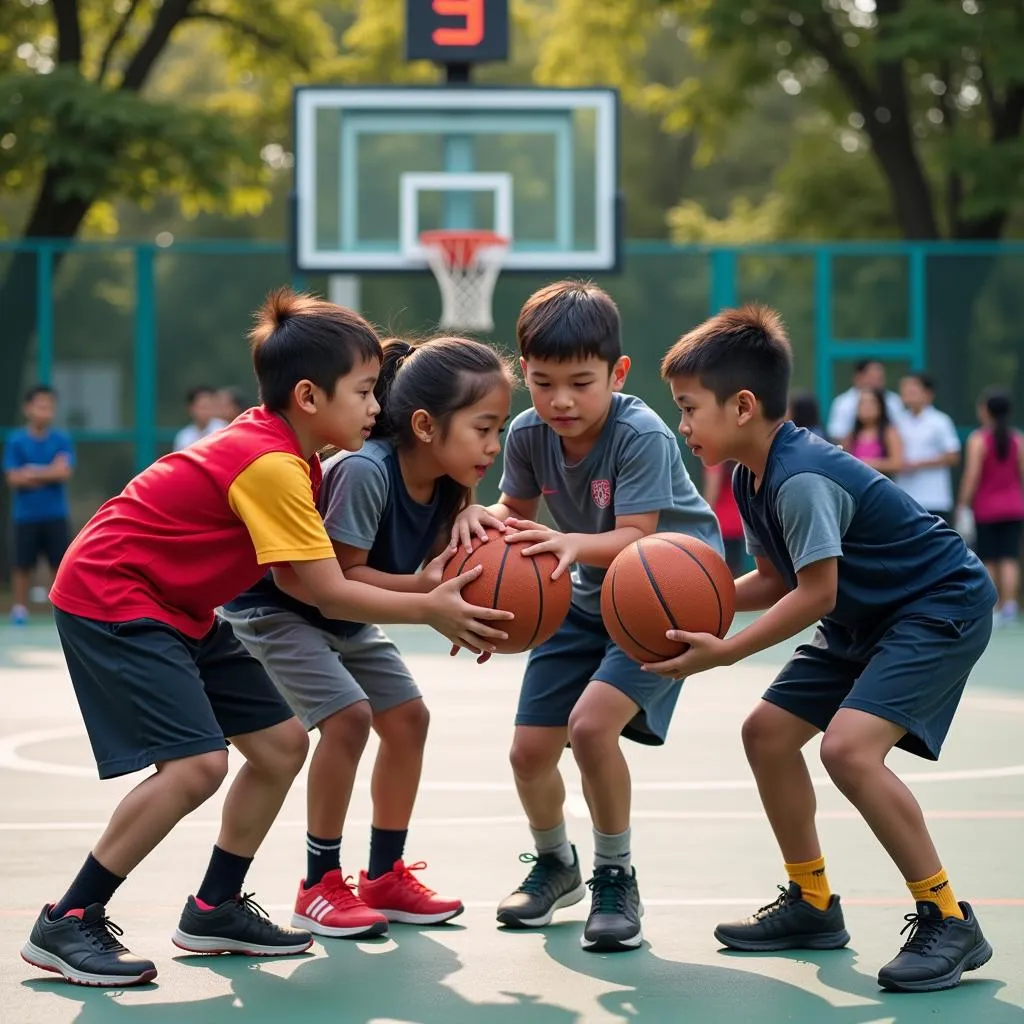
(934, 89)
(90, 114)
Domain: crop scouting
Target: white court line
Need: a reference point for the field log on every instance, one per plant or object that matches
(517, 820)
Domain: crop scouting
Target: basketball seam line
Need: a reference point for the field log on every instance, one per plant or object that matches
(657, 590)
(497, 582)
(540, 601)
(625, 629)
(699, 564)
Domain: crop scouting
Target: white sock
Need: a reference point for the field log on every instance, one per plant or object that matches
(612, 850)
(554, 841)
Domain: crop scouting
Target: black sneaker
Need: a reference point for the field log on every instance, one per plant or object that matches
(550, 886)
(938, 950)
(83, 948)
(788, 923)
(238, 925)
(615, 911)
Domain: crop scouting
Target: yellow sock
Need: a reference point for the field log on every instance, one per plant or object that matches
(813, 881)
(937, 890)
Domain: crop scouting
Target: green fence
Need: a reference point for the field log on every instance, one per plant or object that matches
(125, 329)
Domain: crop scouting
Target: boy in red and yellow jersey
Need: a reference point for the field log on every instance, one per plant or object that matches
(161, 682)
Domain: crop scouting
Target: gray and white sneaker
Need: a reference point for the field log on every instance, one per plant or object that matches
(615, 911)
(550, 886)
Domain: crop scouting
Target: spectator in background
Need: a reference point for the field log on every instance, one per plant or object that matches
(38, 462)
(202, 411)
(230, 404)
(874, 439)
(805, 412)
(930, 447)
(718, 494)
(993, 487)
(868, 375)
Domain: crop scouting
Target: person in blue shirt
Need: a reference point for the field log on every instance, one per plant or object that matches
(903, 612)
(38, 462)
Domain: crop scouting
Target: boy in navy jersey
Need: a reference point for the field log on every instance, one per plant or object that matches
(905, 611)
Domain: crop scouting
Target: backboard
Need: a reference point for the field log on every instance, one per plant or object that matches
(376, 167)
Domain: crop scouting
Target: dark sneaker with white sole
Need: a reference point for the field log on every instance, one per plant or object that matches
(550, 886)
(83, 948)
(615, 911)
(238, 925)
(788, 923)
(938, 950)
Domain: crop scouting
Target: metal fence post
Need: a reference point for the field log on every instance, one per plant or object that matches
(823, 327)
(724, 280)
(145, 358)
(44, 314)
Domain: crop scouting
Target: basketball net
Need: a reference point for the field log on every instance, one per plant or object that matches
(466, 265)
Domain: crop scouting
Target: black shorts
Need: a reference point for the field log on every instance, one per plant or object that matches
(150, 694)
(998, 541)
(49, 537)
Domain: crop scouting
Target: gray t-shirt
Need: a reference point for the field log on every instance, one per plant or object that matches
(634, 467)
(815, 512)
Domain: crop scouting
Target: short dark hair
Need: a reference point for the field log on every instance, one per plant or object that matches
(200, 389)
(804, 409)
(570, 320)
(862, 364)
(300, 337)
(926, 380)
(737, 350)
(39, 389)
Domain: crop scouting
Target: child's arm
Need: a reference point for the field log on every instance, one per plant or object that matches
(972, 470)
(353, 563)
(18, 474)
(815, 513)
(58, 471)
(761, 588)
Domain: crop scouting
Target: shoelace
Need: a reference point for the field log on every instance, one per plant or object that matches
(413, 882)
(536, 881)
(344, 892)
(923, 933)
(104, 933)
(610, 893)
(250, 906)
(776, 905)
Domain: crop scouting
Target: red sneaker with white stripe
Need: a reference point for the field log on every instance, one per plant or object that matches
(400, 896)
(332, 908)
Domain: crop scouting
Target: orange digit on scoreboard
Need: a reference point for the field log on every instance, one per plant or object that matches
(469, 34)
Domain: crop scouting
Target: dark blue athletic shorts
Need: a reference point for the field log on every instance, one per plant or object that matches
(911, 672)
(559, 670)
(150, 694)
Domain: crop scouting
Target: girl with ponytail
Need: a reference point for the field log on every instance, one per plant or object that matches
(992, 489)
(388, 509)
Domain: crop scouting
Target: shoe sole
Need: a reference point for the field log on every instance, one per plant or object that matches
(404, 917)
(310, 924)
(37, 957)
(978, 957)
(218, 944)
(510, 919)
(605, 943)
(822, 940)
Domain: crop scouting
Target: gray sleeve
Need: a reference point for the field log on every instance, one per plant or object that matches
(643, 475)
(352, 500)
(518, 479)
(754, 547)
(815, 513)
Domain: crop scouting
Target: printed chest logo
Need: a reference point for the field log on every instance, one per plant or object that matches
(601, 492)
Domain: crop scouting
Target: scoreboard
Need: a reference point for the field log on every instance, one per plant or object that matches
(456, 31)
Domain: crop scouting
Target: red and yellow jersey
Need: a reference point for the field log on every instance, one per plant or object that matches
(197, 528)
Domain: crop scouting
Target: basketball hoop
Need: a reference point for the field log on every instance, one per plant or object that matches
(466, 265)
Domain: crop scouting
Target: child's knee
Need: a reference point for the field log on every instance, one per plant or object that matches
(405, 725)
(533, 755)
(197, 778)
(590, 734)
(845, 759)
(349, 728)
(762, 740)
(282, 752)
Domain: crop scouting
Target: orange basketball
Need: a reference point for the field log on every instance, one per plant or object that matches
(518, 584)
(661, 582)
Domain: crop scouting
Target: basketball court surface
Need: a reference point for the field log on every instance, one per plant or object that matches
(702, 850)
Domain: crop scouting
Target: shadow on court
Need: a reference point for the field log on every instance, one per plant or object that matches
(657, 991)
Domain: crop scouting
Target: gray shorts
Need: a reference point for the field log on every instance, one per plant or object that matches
(318, 672)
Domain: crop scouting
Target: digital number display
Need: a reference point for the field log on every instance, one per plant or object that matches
(456, 31)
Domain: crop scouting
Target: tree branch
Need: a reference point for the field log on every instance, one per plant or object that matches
(830, 46)
(267, 42)
(954, 182)
(168, 16)
(69, 32)
(116, 36)
(1011, 115)
(992, 104)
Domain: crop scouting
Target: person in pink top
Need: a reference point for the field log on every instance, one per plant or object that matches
(874, 439)
(993, 488)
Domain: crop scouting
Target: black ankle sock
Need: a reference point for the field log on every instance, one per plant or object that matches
(386, 846)
(93, 884)
(224, 877)
(322, 855)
